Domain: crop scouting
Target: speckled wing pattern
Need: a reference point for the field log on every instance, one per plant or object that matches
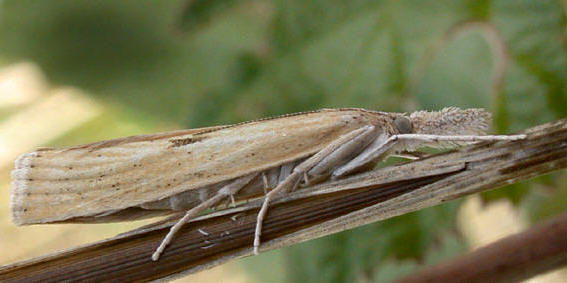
(54, 185)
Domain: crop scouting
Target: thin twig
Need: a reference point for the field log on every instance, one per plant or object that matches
(314, 212)
(512, 259)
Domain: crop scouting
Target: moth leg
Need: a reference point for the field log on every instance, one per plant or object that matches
(336, 148)
(230, 201)
(413, 155)
(374, 152)
(228, 190)
(345, 153)
(305, 179)
(203, 232)
(266, 183)
(380, 147)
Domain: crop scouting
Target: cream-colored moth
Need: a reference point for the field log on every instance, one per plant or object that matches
(193, 170)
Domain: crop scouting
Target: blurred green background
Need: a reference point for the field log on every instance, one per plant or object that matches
(162, 65)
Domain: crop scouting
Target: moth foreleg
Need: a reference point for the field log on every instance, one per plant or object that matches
(232, 200)
(380, 147)
(374, 152)
(343, 146)
(227, 191)
(412, 155)
(266, 182)
(341, 155)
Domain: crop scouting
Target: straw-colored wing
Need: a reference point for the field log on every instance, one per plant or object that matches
(101, 178)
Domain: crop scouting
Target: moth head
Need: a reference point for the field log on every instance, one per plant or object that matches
(451, 121)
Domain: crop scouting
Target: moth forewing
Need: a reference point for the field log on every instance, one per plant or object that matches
(97, 181)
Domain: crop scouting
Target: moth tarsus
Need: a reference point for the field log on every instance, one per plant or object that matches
(203, 232)
(195, 170)
(235, 217)
(209, 246)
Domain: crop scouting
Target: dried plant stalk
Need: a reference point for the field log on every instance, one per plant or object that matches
(512, 259)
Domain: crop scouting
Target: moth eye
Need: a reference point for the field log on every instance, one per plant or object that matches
(403, 125)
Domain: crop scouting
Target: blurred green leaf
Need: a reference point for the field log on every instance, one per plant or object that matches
(349, 255)
(127, 52)
(548, 199)
(266, 268)
(115, 121)
(462, 67)
(448, 245)
(199, 12)
(535, 83)
(514, 193)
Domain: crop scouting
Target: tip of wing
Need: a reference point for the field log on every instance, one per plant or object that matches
(19, 188)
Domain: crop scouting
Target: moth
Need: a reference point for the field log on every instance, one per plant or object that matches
(194, 170)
